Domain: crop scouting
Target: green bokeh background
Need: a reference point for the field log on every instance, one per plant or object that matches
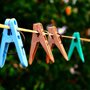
(39, 75)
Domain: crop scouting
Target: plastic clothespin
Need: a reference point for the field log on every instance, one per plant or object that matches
(54, 39)
(9, 36)
(36, 38)
(76, 43)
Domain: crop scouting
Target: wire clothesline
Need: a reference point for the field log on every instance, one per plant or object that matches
(33, 31)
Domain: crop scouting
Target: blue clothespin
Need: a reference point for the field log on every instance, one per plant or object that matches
(76, 43)
(9, 36)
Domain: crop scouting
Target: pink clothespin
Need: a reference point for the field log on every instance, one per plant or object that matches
(36, 38)
(54, 39)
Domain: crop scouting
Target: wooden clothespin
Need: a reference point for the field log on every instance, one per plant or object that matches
(54, 39)
(76, 43)
(9, 36)
(36, 38)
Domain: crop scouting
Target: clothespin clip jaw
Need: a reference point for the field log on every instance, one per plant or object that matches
(54, 39)
(76, 43)
(9, 36)
(39, 38)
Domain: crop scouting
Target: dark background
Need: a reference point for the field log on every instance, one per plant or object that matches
(62, 75)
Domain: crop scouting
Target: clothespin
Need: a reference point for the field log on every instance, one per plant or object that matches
(54, 39)
(76, 43)
(9, 36)
(36, 38)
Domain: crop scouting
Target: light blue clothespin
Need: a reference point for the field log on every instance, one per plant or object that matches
(76, 43)
(9, 36)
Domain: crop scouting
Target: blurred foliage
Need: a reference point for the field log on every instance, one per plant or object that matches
(72, 75)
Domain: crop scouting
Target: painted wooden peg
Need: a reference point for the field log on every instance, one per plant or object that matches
(76, 43)
(36, 38)
(12, 36)
(54, 39)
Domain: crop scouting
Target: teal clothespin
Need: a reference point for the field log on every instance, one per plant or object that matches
(76, 43)
(9, 36)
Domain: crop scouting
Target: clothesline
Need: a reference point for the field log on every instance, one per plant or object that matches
(33, 31)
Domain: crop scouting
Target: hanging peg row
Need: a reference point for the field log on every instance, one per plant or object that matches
(11, 35)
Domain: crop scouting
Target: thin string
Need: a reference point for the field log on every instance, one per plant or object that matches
(22, 35)
(47, 33)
